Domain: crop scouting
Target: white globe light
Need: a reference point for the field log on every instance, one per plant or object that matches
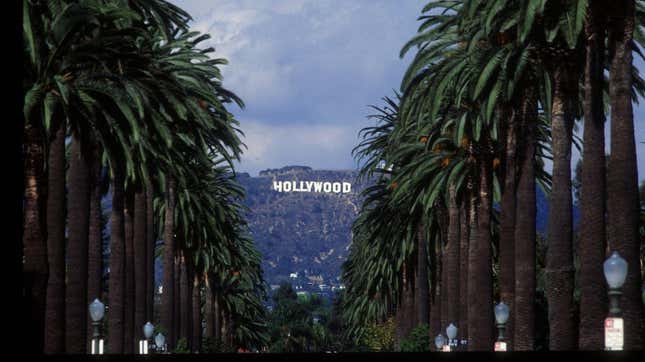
(451, 331)
(615, 269)
(501, 313)
(438, 341)
(160, 340)
(148, 329)
(97, 310)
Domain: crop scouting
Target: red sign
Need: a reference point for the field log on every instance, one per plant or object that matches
(614, 334)
(500, 346)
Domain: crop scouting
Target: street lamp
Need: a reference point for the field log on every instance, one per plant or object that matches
(438, 342)
(160, 342)
(451, 332)
(615, 269)
(97, 311)
(148, 329)
(501, 317)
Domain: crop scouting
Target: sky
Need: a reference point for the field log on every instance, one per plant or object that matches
(307, 71)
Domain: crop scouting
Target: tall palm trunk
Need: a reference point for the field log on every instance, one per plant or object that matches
(217, 315)
(184, 302)
(593, 295)
(55, 313)
(177, 300)
(622, 181)
(95, 247)
(168, 296)
(196, 322)
(463, 271)
(209, 306)
(524, 251)
(559, 265)
(225, 329)
(116, 284)
(480, 282)
(78, 212)
(230, 329)
(128, 325)
(435, 290)
(442, 289)
(452, 261)
(35, 268)
(421, 279)
(150, 252)
(405, 310)
(507, 227)
(140, 264)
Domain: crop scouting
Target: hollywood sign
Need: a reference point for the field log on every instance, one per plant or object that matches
(312, 186)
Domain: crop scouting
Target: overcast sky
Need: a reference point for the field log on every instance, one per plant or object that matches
(308, 69)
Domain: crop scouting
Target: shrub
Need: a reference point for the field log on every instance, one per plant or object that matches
(418, 340)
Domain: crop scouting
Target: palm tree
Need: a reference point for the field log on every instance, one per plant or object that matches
(116, 314)
(168, 296)
(480, 283)
(95, 247)
(185, 297)
(452, 260)
(508, 209)
(421, 278)
(140, 242)
(560, 270)
(151, 242)
(128, 227)
(524, 251)
(36, 80)
(464, 237)
(593, 297)
(622, 179)
(35, 267)
(78, 212)
(55, 308)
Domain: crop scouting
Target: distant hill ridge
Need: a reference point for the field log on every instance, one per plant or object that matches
(305, 232)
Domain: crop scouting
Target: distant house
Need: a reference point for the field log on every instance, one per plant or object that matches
(293, 275)
(323, 287)
(317, 279)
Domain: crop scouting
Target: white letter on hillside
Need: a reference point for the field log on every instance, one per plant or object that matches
(327, 186)
(347, 187)
(277, 186)
(336, 186)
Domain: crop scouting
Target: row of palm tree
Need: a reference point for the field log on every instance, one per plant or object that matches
(120, 99)
(492, 94)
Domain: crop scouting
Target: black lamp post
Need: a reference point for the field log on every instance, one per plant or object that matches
(144, 344)
(501, 317)
(160, 343)
(451, 332)
(438, 342)
(97, 311)
(615, 270)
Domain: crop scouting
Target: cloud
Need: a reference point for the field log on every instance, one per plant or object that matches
(291, 59)
(320, 145)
